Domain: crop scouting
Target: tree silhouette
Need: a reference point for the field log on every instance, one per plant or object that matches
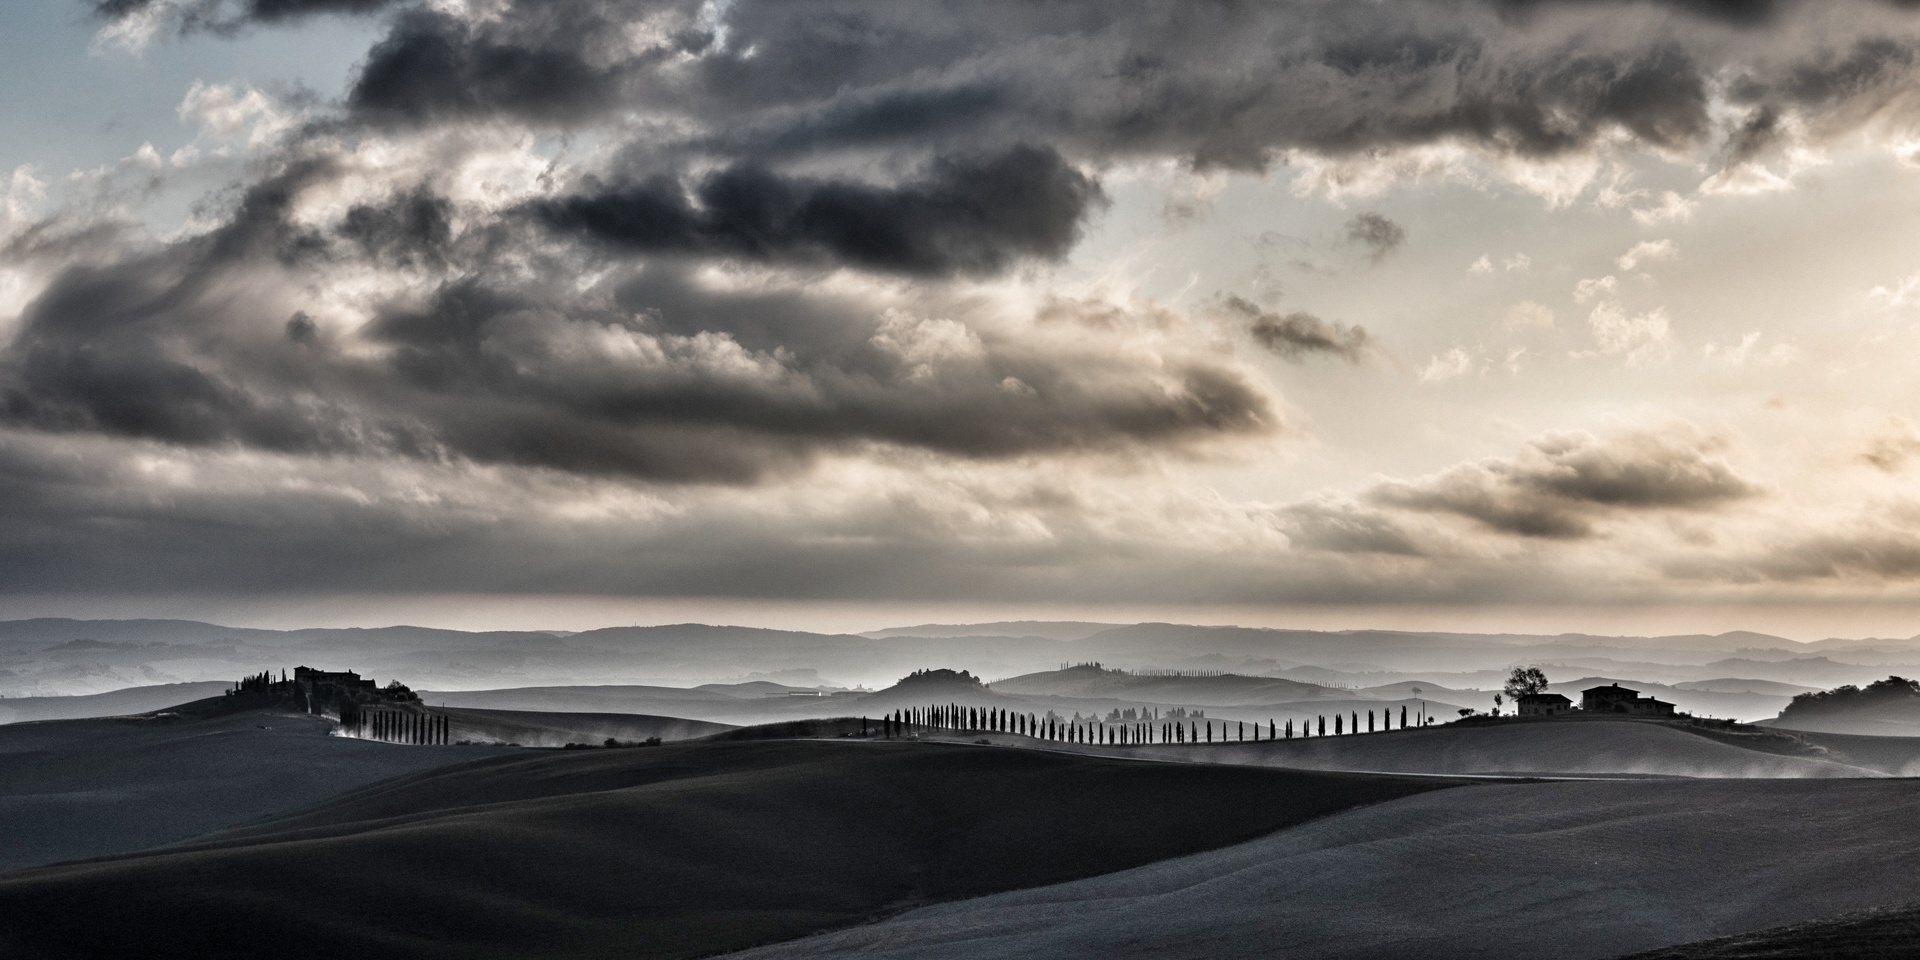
(1524, 681)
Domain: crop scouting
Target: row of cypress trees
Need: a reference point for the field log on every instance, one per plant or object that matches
(954, 716)
(401, 726)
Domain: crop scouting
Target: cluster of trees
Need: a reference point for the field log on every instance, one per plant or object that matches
(1890, 690)
(954, 716)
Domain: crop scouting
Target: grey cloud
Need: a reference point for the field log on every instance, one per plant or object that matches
(1222, 85)
(1561, 487)
(1299, 335)
(231, 16)
(1344, 527)
(1219, 84)
(541, 63)
(1879, 547)
(1895, 443)
(1379, 235)
(1755, 135)
(644, 374)
(413, 228)
(963, 216)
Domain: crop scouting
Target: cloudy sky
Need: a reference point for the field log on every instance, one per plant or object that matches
(1480, 313)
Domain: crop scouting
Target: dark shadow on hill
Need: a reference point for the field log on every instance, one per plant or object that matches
(90, 788)
(1885, 933)
(656, 852)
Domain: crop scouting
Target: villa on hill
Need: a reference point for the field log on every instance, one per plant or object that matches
(1614, 698)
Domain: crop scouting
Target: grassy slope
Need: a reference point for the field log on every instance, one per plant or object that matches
(673, 851)
(1888, 933)
(112, 704)
(1573, 870)
(91, 788)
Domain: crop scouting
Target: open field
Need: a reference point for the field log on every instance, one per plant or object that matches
(90, 788)
(672, 851)
(1565, 869)
(1883, 933)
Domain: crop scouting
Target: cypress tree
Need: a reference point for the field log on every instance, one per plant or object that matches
(1403, 716)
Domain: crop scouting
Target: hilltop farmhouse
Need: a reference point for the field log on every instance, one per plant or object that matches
(1543, 704)
(1614, 698)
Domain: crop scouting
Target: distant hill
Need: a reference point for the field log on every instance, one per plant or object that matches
(1062, 630)
(1885, 708)
(114, 704)
(1095, 682)
(1770, 688)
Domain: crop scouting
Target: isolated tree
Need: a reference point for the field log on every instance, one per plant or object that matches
(1403, 716)
(1496, 704)
(1524, 681)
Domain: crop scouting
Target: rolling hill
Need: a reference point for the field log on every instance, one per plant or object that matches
(672, 851)
(89, 788)
(116, 703)
(1576, 870)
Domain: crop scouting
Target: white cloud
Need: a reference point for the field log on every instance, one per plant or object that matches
(1747, 351)
(1643, 338)
(1446, 366)
(1528, 315)
(1904, 294)
(1646, 251)
(1589, 290)
(225, 114)
(1673, 208)
(1482, 267)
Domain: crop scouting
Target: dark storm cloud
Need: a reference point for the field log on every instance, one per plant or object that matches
(1564, 485)
(1755, 135)
(1220, 84)
(542, 63)
(1299, 335)
(645, 374)
(964, 216)
(1379, 235)
(410, 229)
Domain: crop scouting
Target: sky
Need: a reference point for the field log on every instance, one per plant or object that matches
(1488, 314)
